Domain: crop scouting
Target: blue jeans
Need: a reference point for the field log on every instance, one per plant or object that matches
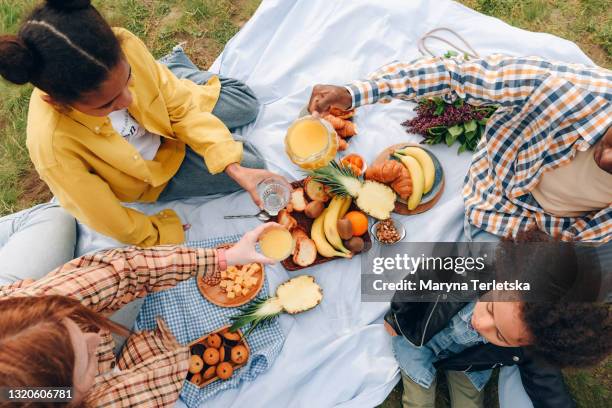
(237, 106)
(35, 241)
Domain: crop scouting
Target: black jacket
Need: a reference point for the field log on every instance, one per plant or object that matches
(418, 322)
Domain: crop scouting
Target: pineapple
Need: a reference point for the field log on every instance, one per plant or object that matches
(294, 296)
(373, 198)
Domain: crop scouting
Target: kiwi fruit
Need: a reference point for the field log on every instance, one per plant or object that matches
(354, 244)
(345, 229)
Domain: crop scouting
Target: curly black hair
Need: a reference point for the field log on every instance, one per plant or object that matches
(569, 334)
(568, 326)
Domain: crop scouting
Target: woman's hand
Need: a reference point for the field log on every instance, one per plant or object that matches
(244, 252)
(324, 97)
(250, 178)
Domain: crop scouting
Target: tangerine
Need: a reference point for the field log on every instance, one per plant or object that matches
(359, 222)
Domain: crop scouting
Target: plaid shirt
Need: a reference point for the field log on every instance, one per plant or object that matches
(152, 365)
(547, 111)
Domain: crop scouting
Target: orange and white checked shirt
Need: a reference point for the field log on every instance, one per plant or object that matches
(152, 366)
(547, 111)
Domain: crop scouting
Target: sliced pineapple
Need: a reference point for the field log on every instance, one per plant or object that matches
(374, 198)
(294, 296)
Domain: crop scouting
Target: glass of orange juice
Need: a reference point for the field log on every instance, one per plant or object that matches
(276, 243)
(311, 142)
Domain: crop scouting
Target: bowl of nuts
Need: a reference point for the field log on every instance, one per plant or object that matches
(388, 232)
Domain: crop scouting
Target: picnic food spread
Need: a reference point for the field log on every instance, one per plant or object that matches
(217, 356)
(326, 218)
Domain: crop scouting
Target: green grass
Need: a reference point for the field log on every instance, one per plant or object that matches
(206, 25)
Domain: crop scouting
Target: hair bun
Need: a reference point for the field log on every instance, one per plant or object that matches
(69, 4)
(16, 60)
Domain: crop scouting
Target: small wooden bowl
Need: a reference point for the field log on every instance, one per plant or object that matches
(224, 343)
(215, 295)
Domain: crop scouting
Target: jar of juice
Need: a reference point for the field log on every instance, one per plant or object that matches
(311, 142)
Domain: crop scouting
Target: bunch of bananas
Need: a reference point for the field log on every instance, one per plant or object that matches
(422, 172)
(324, 230)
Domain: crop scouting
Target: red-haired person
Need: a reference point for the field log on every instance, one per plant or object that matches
(55, 332)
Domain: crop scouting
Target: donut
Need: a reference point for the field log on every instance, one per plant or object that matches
(225, 370)
(240, 354)
(214, 341)
(210, 372)
(222, 353)
(195, 364)
(211, 356)
(197, 379)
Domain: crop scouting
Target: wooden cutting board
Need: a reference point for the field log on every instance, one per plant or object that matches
(431, 198)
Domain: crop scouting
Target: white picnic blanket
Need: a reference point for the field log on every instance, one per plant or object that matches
(338, 354)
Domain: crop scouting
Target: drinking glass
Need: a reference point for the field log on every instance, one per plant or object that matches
(274, 194)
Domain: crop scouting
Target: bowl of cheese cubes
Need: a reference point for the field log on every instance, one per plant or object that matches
(238, 285)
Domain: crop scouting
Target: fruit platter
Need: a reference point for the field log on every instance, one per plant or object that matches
(413, 172)
(236, 286)
(323, 226)
(217, 356)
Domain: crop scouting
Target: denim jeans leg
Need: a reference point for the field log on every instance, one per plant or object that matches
(35, 241)
(512, 394)
(237, 105)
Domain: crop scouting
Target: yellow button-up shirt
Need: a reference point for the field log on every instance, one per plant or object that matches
(91, 169)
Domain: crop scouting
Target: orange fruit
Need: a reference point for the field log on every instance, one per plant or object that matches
(359, 221)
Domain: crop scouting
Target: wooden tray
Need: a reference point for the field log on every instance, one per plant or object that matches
(227, 354)
(306, 224)
(431, 198)
(215, 295)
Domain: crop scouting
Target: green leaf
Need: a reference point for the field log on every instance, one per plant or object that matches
(461, 149)
(458, 103)
(483, 121)
(439, 110)
(470, 126)
(437, 130)
(471, 134)
(455, 130)
(449, 139)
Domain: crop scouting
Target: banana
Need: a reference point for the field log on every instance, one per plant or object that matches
(318, 236)
(345, 206)
(424, 159)
(418, 179)
(330, 223)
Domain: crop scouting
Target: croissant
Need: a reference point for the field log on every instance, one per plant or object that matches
(341, 113)
(349, 129)
(344, 128)
(394, 174)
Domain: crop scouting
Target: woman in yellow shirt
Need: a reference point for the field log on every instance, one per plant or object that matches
(109, 124)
